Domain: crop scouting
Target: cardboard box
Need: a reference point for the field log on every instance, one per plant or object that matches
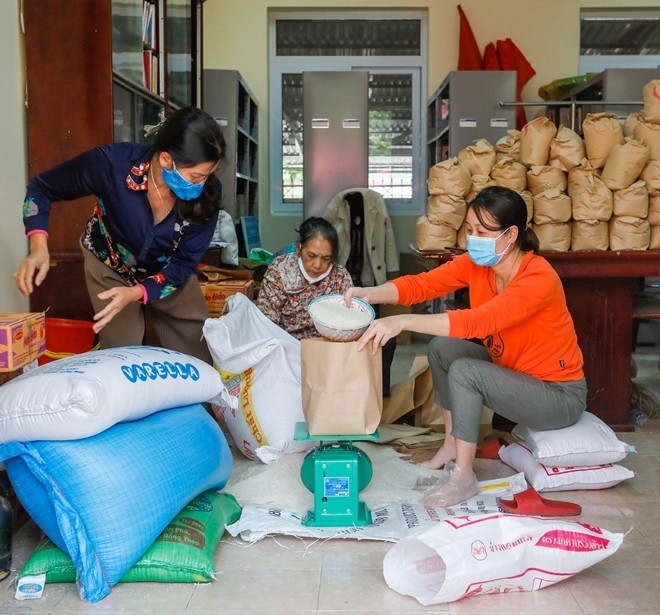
(217, 293)
(219, 284)
(22, 339)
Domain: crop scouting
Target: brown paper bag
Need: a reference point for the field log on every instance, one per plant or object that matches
(651, 175)
(566, 149)
(651, 96)
(624, 164)
(602, 131)
(431, 236)
(649, 134)
(554, 235)
(552, 206)
(654, 243)
(589, 235)
(508, 173)
(479, 157)
(631, 201)
(630, 123)
(529, 202)
(509, 145)
(450, 176)
(545, 177)
(628, 233)
(653, 215)
(479, 182)
(535, 139)
(578, 177)
(447, 209)
(594, 202)
(342, 389)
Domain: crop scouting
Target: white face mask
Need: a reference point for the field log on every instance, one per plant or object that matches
(308, 277)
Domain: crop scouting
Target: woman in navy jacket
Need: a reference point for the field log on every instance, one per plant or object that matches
(154, 218)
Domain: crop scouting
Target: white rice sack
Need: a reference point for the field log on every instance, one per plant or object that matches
(84, 394)
(493, 554)
(260, 366)
(588, 442)
(557, 478)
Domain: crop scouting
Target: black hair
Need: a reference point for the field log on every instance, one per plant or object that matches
(191, 136)
(508, 209)
(319, 227)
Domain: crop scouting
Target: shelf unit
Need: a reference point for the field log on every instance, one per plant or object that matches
(155, 65)
(613, 85)
(92, 92)
(229, 100)
(465, 108)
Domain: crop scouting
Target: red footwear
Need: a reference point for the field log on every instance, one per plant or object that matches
(529, 502)
(490, 449)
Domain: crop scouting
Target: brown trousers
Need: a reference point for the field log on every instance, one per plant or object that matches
(177, 319)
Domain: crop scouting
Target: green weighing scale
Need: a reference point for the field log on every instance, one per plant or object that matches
(335, 472)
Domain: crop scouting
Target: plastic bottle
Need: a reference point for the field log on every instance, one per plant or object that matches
(6, 521)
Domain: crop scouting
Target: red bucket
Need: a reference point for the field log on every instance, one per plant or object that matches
(65, 337)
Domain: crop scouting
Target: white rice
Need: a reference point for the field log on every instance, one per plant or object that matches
(338, 315)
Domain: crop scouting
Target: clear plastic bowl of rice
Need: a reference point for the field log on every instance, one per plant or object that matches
(335, 321)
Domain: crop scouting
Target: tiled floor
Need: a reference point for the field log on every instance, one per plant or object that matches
(295, 577)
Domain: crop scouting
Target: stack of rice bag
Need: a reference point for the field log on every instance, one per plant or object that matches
(582, 456)
(105, 448)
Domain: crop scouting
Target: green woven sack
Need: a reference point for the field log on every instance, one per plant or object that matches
(183, 553)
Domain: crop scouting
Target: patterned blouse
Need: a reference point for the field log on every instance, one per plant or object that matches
(285, 294)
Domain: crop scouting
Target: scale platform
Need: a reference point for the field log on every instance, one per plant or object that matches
(335, 472)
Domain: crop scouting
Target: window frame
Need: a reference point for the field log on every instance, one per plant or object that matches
(414, 65)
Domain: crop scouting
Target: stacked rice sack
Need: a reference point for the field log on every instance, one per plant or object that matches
(599, 192)
(585, 455)
(103, 449)
(646, 130)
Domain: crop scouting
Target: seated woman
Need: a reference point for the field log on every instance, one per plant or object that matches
(528, 368)
(293, 280)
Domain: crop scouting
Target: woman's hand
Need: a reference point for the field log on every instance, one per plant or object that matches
(385, 293)
(119, 297)
(355, 291)
(380, 332)
(33, 269)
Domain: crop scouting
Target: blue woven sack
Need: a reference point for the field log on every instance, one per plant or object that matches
(105, 499)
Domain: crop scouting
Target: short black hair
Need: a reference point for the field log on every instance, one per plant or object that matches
(319, 227)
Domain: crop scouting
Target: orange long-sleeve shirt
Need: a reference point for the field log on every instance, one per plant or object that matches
(526, 327)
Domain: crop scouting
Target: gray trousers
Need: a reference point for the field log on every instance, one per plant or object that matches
(177, 319)
(465, 379)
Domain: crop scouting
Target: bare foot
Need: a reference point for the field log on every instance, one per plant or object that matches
(446, 453)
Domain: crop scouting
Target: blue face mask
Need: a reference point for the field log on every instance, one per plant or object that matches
(184, 189)
(482, 250)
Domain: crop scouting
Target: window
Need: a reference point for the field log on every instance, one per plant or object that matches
(619, 38)
(390, 45)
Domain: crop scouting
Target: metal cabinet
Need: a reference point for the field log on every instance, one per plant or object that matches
(466, 107)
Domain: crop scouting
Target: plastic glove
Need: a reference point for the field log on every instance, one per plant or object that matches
(454, 485)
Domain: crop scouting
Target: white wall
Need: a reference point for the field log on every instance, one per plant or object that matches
(13, 159)
(547, 32)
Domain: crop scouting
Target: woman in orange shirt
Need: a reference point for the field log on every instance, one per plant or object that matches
(529, 365)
